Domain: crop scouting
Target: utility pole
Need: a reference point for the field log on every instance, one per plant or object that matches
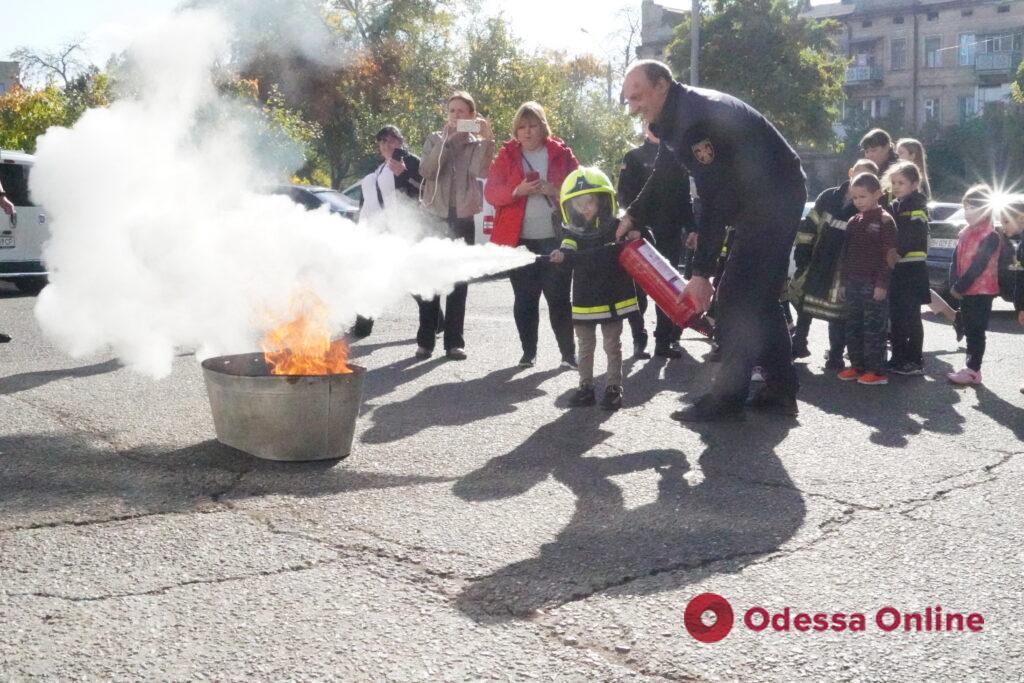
(695, 42)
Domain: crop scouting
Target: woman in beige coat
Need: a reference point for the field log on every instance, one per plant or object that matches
(452, 165)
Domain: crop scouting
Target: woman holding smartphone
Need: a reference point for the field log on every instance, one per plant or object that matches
(455, 158)
(523, 185)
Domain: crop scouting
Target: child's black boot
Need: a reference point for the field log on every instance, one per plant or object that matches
(612, 399)
(584, 396)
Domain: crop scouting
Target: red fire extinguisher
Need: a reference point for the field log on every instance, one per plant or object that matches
(659, 279)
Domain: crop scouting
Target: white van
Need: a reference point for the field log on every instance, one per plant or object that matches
(21, 242)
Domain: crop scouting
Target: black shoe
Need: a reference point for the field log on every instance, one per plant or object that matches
(455, 354)
(612, 399)
(527, 361)
(423, 352)
(908, 368)
(714, 355)
(362, 328)
(833, 363)
(668, 351)
(709, 409)
(4, 338)
(584, 396)
(640, 347)
(801, 351)
(771, 401)
(568, 363)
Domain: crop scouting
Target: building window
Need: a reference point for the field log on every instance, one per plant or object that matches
(1003, 42)
(966, 12)
(897, 20)
(966, 52)
(1003, 9)
(933, 16)
(932, 52)
(898, 53)
(897, 109)
(931, 109)
(967, 107)
(867, 23)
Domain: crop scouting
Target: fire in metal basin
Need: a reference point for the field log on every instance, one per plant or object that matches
(282, 417)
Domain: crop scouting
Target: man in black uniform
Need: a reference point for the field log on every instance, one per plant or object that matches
(672, 215)
(749, 177)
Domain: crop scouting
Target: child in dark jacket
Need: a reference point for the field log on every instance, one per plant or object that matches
(974, 278)
(602, 293)
(908, 289)
(868, 256)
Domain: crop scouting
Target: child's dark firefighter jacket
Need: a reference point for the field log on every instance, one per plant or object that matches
(911, 271)
(601, 288)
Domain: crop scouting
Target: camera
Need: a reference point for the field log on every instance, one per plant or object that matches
(467, 126)
(399, 154)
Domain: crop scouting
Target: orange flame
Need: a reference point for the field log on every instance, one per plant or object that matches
(303, 346)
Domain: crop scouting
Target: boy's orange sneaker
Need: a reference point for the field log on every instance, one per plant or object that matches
(848, 374)
(872, 378)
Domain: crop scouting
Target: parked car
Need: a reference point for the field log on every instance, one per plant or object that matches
(942, 240)
(313, 197)
(940, 211)
(21, 241)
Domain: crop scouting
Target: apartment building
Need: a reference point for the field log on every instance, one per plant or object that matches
(928, 61)
(657, 28)
(9, 72)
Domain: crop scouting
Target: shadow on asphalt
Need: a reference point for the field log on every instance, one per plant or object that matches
(25, 381)
(912, 404)
(745, 506)
(70, 477)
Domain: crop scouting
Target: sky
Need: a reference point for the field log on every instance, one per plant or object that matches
(106, 25)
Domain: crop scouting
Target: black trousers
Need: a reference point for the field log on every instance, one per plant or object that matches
(975, 310)
(753, 327)
(555, 283)
(905, 325)
(455, 303)
(665, 331)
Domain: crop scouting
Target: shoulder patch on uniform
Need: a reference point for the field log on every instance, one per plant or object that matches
(703, 151)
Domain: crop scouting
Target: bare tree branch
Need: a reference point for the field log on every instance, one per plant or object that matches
(63, 63)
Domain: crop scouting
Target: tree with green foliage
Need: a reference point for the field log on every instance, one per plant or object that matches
(25, 114)
(761, 51)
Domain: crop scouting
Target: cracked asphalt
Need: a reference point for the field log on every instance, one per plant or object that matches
(482, 531)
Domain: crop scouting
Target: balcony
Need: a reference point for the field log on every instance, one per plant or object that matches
(863, 75)
(997, 65)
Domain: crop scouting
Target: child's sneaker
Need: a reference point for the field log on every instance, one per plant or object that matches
(757, 374)
(872, 378)
(849, 374)
(834, 362)
(965, 376)
(908, 368)
(612, 399)
(584, 396)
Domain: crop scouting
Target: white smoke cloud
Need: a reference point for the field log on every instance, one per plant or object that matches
(160, 241)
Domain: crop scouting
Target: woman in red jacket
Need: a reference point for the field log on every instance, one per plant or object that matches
(523, 186)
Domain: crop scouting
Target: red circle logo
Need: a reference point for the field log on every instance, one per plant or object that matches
(717, 605)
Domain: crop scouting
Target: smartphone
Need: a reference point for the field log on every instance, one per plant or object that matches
(399, 154)
(467, 126)
(531, 176)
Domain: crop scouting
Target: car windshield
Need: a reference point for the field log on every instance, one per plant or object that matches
(336, 200)
(939, 211)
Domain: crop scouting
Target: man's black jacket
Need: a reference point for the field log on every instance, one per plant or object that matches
(744, 169)
(673, 209)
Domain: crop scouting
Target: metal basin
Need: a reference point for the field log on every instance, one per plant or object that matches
(282, 417)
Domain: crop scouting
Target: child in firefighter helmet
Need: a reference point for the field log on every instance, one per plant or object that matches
(602, 293)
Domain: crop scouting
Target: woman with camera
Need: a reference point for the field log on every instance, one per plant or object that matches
(455, 158)
(523, 185)
(396, 178)
(398, 175)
